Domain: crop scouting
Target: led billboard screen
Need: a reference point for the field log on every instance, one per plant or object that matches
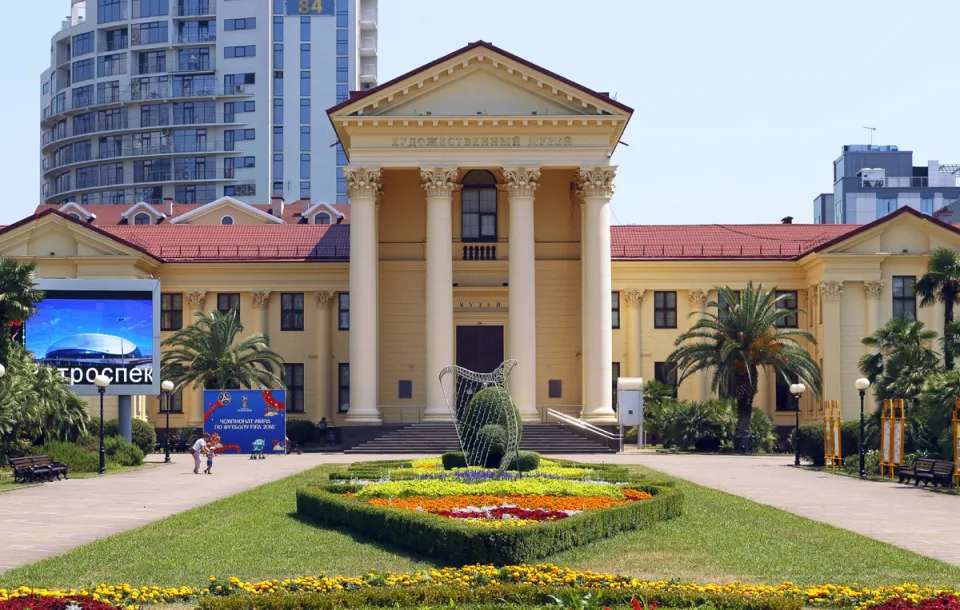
(85, 328)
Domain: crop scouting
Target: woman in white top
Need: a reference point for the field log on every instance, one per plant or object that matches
(198, 450)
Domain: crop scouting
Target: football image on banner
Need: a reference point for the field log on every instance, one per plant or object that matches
(237, 419)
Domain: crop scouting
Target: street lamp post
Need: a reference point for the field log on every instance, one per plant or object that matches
(797, 389)
(862, 385)
(102, 381)
(165, 388)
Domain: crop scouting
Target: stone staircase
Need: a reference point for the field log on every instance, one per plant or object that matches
(435, 438)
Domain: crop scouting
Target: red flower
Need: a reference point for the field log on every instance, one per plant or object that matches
(636, 604)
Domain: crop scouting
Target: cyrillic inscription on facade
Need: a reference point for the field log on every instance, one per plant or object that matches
(484, 142)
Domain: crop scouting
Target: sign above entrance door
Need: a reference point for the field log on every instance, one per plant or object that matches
(479, 305)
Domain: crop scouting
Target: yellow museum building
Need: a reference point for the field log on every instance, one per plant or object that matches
(479, 229)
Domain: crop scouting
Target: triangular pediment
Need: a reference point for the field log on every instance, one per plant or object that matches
(215, 213)
(53, 235)
(481, 79)
(905, 231)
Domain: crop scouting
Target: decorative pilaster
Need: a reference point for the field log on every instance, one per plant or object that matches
(439, 185)
(833, 385)
(363, 188)
(697, 299)
(633, 300)
(324, 390)
(261, 303)
(193, 395)
(521, 186)
(596, 185)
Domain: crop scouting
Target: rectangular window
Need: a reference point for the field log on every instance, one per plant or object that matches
(790, 302)
(278, 29)
(305, 56)
(343, 387)
(343, 42)
(615, 310)
(293, 379)
(175, 400)
(278, 83)
(886, 206)
(278, 56)
(111, 10)
(278, 111)
(240, 190)
(305, 138)
(82, 44)
(150, 8)
(723, 310)
(234, 80)
(926, 204)
(291, 314)
(343, 311)
(305, 112)
(82, 70)
(343, 69)
(193, 60)
(785, 400)
(150, 63)
(278, 139)
(304, 83)
(117, 40)
(305, 29)
(109, 92)
(171, 311)
(228, 301)
(249, 50)
(478, 217)
(155, 32)
(666, 373)
(305, 166)
(905, 296)
(664, 309)
(278, 166)
(343, 93)
(305, 190)
(249, 23)
(278, 189)
(195, 193)
(341, 156)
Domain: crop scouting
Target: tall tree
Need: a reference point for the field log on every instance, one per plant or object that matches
(903, 358)
(740, 339)
(208, 354)
(941, 284)
(19, 296)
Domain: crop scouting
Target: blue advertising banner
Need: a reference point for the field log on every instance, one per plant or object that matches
(310, 8)
(239, 420)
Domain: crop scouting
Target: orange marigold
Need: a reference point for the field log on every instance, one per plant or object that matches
(431, 504)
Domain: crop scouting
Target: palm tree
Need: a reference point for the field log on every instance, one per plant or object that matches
(902, 361)
(18, 296)
(941, 284)
(740, 339)
(209, 355)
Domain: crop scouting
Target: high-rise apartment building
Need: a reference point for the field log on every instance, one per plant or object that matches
(200, 99)
(871, 181)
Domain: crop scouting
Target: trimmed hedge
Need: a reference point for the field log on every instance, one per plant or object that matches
(464, 543)
(810, 440)
(489, 596)
(453, 459)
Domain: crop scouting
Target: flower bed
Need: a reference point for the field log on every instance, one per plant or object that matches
(484, 516)
(478, 584)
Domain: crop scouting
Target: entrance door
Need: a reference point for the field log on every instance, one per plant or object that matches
(479, 349)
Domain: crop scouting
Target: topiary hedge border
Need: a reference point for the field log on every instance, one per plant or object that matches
(449, 539)
(457, 596)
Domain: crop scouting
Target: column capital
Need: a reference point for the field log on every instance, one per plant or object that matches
(197, 297)
(633, 297)
(521, 181)
(597, 181)
(697, 297)
(363, 181)
(872, 290)
(438, 181)
(261, 299)
(832, 291)
(324, 298)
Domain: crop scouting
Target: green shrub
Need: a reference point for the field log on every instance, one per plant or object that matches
(488, 410)
(810, 441)
(301, 431)
(491, 597)
(529, 460)
(871, 462)
(464, 543)
(78, 458)
(453, 459)
(122, 453)
(144, 434)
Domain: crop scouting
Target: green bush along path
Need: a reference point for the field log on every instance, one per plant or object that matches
(256, 535)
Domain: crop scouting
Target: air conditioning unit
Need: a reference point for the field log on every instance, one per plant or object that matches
(239, 88)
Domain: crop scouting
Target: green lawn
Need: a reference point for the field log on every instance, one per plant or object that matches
(256, 535)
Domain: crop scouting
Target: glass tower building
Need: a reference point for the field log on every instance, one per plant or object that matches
(200, 99)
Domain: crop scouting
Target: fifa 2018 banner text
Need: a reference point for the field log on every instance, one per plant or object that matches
(240, 421)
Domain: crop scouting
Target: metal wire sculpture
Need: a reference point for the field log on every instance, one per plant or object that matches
(483, 411)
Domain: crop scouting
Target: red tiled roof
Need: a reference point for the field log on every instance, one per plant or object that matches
(357, 95)
(112, 214)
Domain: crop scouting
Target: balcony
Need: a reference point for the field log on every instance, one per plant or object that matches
(479, 252)
(193, 66)
(145, 95)
(368, 46)
(196, 8)
(113, 179)
(196, 38)
(368, 73)
(368, 20)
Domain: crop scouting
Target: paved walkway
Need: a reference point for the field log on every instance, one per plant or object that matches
(42, 521)
(884, 511)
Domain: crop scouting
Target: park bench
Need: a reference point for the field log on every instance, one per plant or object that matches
(938, 472)
(37, 468)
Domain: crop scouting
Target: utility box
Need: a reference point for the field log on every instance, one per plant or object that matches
(630, 404)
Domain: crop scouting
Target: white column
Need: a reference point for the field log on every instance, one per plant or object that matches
(583, 301)
(597, 186)
(521, 185)
(832, 355)
(697, 297)
(439, 185)
(193, 413)
(633, 300)
(872, 292)
(323, 389)
(261, 303)
(363, 187)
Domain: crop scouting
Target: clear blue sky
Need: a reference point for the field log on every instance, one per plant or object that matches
(741, 106)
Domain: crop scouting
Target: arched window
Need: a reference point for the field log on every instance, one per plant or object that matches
(321, 219)
(226, 220)
(74, 215)
(141, 219)
(478, 211)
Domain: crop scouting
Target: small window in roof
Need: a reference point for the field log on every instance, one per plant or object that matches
(321, 218)
(226, 220)
(141, 219)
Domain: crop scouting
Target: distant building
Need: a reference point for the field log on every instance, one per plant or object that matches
(871, 181)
